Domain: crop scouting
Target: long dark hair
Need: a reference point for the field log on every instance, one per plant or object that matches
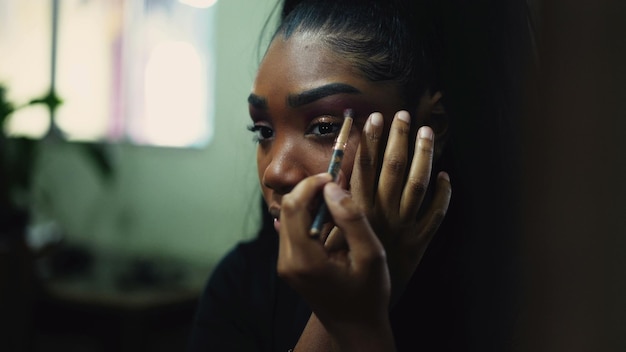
(389, 40)
(479, 55)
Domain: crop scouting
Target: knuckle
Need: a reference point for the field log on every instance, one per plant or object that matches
(289, 204)
(351, 211)
(365, 161)
(425, 151)
(354, 215)
(437, 219)
(377, 257)
(425, 147)
(402, 130)
(395, 164)
(373, 138)
(417, 186)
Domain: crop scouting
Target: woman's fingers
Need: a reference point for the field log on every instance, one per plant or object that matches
(296, 206)
(297, 248)
(364, 246)
(429, 224)
(389, 184)
(393, 171)
(303, 260)
(419, 174)
(344, 288)
(364, 178)
(335, 241)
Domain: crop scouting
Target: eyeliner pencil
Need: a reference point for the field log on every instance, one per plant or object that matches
(333, 169)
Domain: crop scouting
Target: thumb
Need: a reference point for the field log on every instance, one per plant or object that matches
(348, 216)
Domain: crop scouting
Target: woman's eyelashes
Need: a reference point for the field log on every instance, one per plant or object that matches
(261, 132)
(324, 128)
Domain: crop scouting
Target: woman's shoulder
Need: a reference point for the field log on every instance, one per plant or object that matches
(245, 274)
(251, 253)
(237, 300)
(247, 258)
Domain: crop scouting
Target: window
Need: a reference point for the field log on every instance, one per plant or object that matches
(138, 71)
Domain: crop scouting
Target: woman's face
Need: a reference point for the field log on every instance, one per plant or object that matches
(296, 106)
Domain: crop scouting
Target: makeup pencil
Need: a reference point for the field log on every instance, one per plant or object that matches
(333, 168)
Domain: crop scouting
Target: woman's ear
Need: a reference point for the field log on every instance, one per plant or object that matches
(431, 112)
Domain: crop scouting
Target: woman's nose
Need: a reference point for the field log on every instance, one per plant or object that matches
(285, 169)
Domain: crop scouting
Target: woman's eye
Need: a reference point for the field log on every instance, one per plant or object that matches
(325, 128)
(261, 132)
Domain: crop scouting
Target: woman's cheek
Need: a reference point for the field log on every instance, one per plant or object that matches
(261, 165)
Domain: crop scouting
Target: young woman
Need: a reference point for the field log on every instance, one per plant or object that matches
(366, 284)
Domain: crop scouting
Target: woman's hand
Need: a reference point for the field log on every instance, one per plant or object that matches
(390, 185)
(348, 290)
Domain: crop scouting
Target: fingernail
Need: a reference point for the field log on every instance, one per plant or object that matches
(376, 119)
(404, 116)
(444, 175)
(324, 176)
(426, 133)
(334, 193)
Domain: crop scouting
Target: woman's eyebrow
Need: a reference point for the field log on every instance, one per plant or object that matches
(257, 101)
(311, 95)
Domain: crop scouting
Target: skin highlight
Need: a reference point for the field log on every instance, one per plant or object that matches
(296, 107)
(323, 85)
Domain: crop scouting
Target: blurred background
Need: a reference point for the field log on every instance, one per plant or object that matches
(127, 171)
(127, 167)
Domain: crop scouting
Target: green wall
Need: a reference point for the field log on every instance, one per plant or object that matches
(178, 203)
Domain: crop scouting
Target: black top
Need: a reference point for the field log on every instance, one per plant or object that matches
(247, 307)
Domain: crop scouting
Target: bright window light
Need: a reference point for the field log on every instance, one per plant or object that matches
(84, 69)
(137, 72)
(30, 122)
(25, 63)
(174, 101)
(201, 4)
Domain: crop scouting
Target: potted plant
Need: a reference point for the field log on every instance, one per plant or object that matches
(18, 156)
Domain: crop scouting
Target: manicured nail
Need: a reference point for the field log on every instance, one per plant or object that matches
(334, 193)
(426, 133)
(444, 175)
(376, 119)
(324, 176)
(404, 116)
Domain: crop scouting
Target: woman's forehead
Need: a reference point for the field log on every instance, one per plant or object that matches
(303, 61)
(304, 67)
